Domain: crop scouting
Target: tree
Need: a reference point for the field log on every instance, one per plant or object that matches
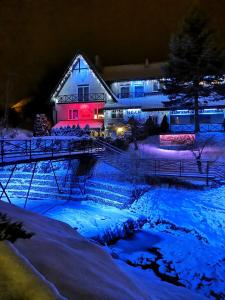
(164, 127)
(134, 131)
(150, 126)
(196, 64)
(198, 146)
(41, 125)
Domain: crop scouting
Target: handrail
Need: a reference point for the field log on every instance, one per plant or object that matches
(28, 149)
(110, 147)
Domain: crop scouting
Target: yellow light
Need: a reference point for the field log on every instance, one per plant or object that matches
(120, 130)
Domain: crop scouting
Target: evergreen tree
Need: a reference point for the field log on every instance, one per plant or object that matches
(164, 127)
(41, 125)
(134, 131)
(150, 126)
(196, 63)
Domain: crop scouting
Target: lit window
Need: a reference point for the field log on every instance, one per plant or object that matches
(73, 114)
(155, 86)
(125, 91)
(139, 91)
(99, 113)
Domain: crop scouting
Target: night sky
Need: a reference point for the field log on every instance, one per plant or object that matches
(40, 37)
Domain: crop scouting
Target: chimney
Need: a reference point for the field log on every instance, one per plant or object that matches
(146, 63)
(98, 64)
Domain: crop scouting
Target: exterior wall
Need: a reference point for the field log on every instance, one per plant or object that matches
(147, 84)
(84, 76)
(86, 111)
(138, 114)
(209, 119)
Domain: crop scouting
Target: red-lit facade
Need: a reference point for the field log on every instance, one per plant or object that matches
(87, 113)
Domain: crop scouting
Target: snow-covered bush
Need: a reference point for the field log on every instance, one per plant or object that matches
(71, 131)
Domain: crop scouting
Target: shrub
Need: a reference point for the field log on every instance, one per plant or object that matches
(12, 231)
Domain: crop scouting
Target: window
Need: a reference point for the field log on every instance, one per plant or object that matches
(113, 115)
(99, 113)
(73, 114)
(120, 114)
(83, 93)
(125, 91)
(139, 91)
(117, 114)
(155, 86)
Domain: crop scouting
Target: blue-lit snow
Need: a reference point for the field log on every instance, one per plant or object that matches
(190, 227)
(187, 227)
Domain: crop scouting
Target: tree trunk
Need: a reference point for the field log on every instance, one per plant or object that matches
(196, 108)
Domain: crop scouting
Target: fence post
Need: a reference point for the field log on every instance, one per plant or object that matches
(207, 173)
(30, 149)
(2, 150)
(52, 145)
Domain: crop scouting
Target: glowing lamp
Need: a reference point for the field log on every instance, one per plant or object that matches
(120, 130)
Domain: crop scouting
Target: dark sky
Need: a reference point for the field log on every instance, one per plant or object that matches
(39, 37)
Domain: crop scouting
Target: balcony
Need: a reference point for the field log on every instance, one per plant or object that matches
(137, 94)
(90, 97)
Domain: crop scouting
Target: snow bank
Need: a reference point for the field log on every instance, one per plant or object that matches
(82, 270)
(77, 267)
(19, 278)
(190, 225)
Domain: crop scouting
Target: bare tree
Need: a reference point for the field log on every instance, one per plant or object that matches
(198, 147)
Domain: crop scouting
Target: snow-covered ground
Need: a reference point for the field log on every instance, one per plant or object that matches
(214, 150)
(78, 268)
(183, 235)
(182, 238)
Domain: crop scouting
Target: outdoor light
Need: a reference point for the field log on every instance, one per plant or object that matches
(120, 130)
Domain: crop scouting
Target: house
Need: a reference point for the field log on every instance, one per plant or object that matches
(80, 96)
(107, 99)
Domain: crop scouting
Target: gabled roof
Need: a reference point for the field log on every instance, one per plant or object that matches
(70, 70)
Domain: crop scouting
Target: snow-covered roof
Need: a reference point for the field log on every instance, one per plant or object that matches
(133, 71)
(153, 101)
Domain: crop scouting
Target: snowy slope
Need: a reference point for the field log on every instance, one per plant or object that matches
(81, 269)
(190, 226)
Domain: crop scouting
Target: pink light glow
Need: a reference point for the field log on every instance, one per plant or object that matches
(86, 114)
(91, 123)
(177, 139)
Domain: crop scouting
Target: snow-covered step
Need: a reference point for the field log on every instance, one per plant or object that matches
(39, 195)
(107, 193)
(124, 189)
(105, 201)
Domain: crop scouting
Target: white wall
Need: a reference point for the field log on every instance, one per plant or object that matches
(83, 77)
(139, 115)
(148, 85)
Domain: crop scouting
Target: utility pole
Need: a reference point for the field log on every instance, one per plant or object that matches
(9, 81)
